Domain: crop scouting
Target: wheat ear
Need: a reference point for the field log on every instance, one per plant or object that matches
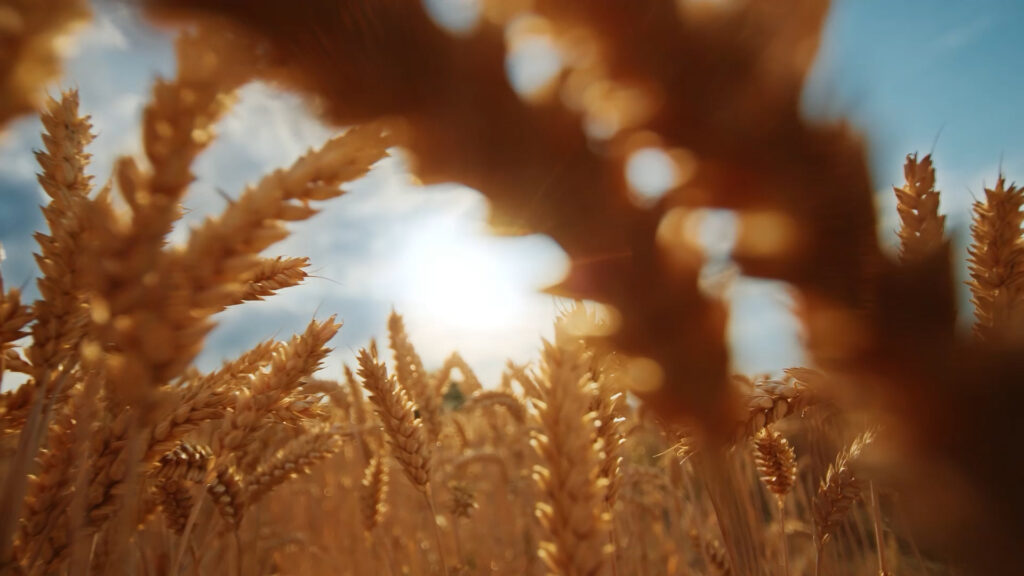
(59, 319)
(838, 491)
(271, 275)
(296, 457)
(176, 473)
(204, 398)
(290, 364)
(996, 263)
(917, 201)
(776, 464)
(412, 375)
(14, 318)
(397, 412)
(228, 494)
(571, 509)
(406, 433)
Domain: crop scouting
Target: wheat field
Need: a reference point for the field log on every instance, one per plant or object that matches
(627, 446)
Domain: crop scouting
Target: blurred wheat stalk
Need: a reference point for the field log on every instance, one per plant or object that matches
(629, 455)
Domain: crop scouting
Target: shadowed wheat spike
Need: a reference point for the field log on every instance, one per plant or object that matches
(776, 464)
(571, 509)
(838, 491)
(996, 258)
(775, 461)
(917, 201)
(405, 432)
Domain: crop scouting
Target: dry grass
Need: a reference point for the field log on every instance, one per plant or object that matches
(625, 448)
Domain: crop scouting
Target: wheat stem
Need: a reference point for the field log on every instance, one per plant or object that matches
(782, 535)
(186, 533)
(876, 518)
(429, 496)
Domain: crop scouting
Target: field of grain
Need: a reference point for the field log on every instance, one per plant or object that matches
(627, 446)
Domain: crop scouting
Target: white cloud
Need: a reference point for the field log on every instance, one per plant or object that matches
(102, 33)
(765, 335)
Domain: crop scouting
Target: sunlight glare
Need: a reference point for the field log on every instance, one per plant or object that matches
(460, 279)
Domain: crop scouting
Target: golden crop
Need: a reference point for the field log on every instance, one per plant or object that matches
(626, 448)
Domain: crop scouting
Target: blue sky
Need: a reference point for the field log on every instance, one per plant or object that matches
(911, 75)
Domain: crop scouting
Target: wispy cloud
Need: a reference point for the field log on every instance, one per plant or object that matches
(103, 32)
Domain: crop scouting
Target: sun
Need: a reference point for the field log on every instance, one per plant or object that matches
(458, 278)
